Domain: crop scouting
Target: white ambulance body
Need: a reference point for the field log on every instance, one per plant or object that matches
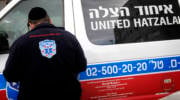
(132, 46)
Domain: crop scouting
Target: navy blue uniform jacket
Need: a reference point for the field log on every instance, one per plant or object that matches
(46, 62)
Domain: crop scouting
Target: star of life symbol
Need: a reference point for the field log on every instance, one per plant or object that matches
(47, 48)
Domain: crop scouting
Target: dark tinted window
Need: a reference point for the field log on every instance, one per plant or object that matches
(131, 21)
(14, 24)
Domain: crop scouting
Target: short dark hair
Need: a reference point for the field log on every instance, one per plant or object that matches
(38, 14)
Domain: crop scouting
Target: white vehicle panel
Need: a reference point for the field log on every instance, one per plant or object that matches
(119, 52)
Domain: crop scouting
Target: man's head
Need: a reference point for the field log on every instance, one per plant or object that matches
(37, 16)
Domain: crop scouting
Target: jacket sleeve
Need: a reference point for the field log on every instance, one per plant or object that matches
(81, 61)
(12, 68)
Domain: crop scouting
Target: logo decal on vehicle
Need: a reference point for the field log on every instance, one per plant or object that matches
(47, 48)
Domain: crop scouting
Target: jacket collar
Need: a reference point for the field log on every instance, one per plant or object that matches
(43, 25)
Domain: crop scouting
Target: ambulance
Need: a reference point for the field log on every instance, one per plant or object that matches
(132, 46)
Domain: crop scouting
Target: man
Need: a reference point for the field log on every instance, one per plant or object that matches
(46, 61)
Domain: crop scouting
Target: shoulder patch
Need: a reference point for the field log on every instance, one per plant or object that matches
(47, 48)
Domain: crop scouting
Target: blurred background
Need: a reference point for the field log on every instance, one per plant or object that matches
(3, 3)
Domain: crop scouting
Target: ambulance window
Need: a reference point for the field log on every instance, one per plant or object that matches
(131, 21)
(14, 24)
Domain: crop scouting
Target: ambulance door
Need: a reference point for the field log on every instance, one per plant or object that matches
(13, 24)
(132, 47)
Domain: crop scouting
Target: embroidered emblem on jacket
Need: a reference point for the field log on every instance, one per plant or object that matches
(47, 48)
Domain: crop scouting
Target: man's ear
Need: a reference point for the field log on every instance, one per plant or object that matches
(50, 21)
(31, 26)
